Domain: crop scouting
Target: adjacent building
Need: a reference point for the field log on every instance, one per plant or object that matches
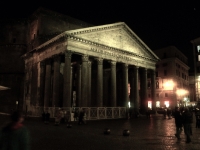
(195, 73)
(172, 79)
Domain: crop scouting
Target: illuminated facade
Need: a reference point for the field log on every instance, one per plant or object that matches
(70, 63)
(195, 75)
(172, 80)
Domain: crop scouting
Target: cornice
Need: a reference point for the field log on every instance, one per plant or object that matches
(101, 46)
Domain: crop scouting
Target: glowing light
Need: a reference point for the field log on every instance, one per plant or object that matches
(157, 103)
(150, 104)
(166, 103)
(129, 104)
(181, 92)
(168, 85)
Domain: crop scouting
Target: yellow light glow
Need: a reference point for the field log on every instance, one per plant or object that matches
(181, 92)
(166, 103)
(150, 104)
(168, 85)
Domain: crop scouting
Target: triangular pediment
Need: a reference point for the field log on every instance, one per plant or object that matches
(117, 35)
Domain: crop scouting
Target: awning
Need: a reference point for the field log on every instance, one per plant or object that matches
(4, 88)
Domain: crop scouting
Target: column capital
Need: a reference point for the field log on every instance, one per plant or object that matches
(99, 61)
(48, 61)
(89, 64)
(85, 58)
(113, 63)
(125, 65)
(42, 63)
(68, 54)
(136, 67)
(144, 70)
(153, 71)
(56, 57)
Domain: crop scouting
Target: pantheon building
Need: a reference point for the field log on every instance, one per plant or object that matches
(70, 63)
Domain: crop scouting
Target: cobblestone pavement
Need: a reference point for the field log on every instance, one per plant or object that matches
(155, 133)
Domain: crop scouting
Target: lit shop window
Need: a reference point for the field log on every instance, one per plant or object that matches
(198, 48)
(157, 103)
(166, 103)
(149, 104)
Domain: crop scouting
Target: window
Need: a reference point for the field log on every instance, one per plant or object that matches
(164, 64)
(198, 48)
(157, 103)
(164, 55)
(198, 57)
(165, 72)
(157, 84)
(166, 94)
(149, 84)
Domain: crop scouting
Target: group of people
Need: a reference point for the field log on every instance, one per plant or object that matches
(183, 119)
(64, 117)
(46, 117)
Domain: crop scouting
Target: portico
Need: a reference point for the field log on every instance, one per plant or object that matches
(90, 67)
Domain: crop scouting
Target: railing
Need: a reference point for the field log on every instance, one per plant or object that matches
(91, 113)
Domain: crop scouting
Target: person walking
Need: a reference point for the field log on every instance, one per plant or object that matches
(15, 136)
(178, 122)
(58, 118)
(81, 117)
(187, 121)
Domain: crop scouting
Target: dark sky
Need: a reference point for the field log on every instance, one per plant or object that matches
(158, 24)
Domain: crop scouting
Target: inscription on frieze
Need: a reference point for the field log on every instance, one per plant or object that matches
(112, 54)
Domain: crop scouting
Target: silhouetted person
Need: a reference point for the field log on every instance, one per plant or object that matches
(43, 116)
(47, 117)
(81, 117)
(58, 118)
(76, 115)
(187, 121)
(15, 135)
(148, 112)
(169, 112)
(197, 115)
(178, 122)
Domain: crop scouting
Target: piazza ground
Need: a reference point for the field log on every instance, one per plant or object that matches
(155, 133)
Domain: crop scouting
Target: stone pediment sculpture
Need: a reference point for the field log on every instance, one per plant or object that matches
(117, 35)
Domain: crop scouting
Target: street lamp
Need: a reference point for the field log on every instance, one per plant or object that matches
(181, 93)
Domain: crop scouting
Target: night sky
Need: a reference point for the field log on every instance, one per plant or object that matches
(158, 24)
